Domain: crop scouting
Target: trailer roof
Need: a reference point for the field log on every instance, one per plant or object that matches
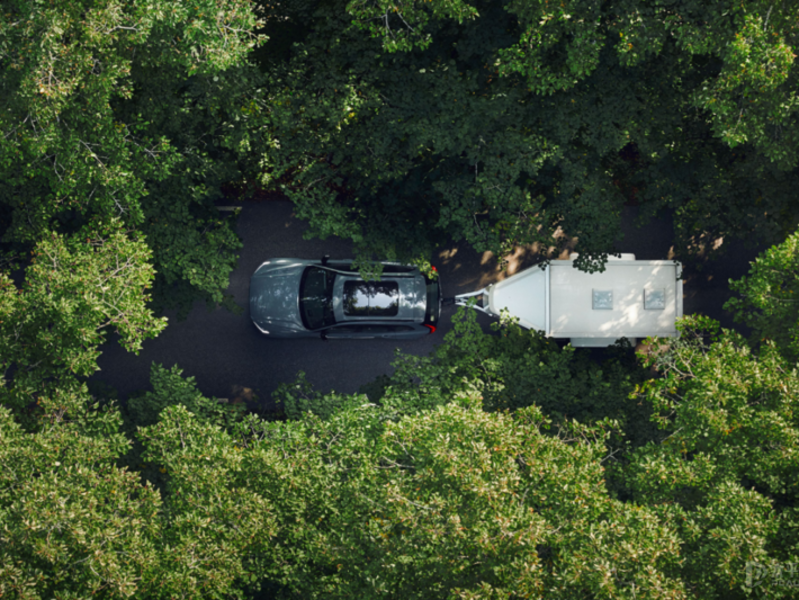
(632, 298)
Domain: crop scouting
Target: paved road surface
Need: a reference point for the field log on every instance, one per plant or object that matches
(222, 350)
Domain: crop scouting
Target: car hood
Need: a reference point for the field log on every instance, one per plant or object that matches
(274, 297)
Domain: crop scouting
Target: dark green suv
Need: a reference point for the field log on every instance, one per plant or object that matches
(296, 298)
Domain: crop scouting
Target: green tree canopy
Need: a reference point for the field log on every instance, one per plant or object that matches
(723, 471)
(494, 467)
(424, 493)
(73, 524)
(74, 288)
(513, 369)
(768, 298)
(453, 502)
(136, 111)
(449, 501)
(504, 123)
(717, 463)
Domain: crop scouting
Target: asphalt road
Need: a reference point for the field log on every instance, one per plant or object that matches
(222, 350)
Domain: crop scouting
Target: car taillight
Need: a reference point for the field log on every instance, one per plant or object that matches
(431, 327)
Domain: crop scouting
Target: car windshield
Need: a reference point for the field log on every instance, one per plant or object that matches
(371, 298)
(316, 298)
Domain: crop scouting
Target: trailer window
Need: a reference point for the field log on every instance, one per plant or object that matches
(655, 299)
(603, 300)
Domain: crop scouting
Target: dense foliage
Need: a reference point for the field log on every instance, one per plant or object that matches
(500, 466)
(768, 298)
(717, 463)
(138, 112)
(723, 471)
(507, 123)
(454, 500)
(434, 490)
(512, 370)
(75, 287)
(74, 524)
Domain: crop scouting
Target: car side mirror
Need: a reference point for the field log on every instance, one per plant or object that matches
(325, 258)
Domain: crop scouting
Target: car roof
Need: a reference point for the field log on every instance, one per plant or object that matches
(411, 298)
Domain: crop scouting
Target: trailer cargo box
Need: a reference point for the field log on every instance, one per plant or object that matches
(631, 298)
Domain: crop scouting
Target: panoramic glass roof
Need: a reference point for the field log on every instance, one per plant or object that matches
(371, 298)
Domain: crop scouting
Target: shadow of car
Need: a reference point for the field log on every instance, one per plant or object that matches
(298, 298)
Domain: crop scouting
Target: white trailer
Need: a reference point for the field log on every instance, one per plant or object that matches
(630, 298)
